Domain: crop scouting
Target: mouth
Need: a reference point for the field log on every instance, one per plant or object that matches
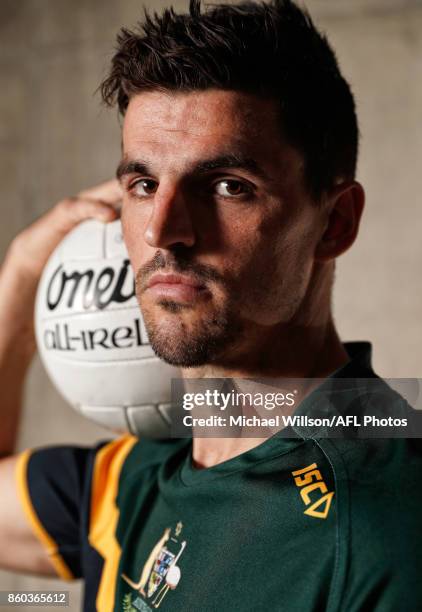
(177, 287)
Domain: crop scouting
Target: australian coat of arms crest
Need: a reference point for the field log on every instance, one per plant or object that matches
(161, 572)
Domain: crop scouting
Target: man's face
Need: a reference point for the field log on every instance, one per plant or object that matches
(214, 194)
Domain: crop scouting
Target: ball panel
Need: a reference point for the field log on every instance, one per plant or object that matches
(112, 417)
(87, 240)
(112, 384)
(113, 242)
(166, 411)
(147, 419)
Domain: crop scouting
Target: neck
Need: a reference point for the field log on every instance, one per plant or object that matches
(302, 352)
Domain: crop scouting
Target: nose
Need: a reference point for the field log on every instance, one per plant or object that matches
(170, 222)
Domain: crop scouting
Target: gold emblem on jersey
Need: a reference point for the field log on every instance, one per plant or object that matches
(309, 479)
(160, 572)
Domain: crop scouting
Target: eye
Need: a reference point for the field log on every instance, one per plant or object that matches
(231, 188)
(143, 187)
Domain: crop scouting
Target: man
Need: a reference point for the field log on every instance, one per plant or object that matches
(238, 187)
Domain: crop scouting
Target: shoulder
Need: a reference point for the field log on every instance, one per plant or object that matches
(379, 522)
(129, 462)
(145, 454)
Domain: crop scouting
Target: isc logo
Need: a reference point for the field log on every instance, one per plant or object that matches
(309, 479)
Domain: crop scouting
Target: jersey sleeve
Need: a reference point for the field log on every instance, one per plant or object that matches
(54, 486)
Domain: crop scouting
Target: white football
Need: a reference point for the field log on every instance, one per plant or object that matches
(91, 336)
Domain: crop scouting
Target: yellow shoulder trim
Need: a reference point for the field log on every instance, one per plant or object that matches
(46, 540)
(105, 514)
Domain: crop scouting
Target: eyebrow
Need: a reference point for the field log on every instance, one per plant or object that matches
(132, 167)
(232, 161)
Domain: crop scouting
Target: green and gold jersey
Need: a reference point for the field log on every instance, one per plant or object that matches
(297, 524)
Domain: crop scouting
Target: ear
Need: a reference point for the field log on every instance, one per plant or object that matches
(346, 202)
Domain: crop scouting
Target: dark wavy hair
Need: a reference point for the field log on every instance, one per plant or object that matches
(268, 49)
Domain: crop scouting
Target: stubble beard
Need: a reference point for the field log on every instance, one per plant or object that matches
(202, 342)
